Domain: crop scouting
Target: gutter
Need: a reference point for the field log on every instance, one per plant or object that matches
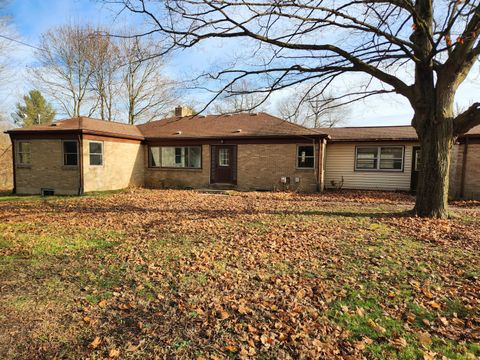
(74, 131)
(80, 164)
(14, 190)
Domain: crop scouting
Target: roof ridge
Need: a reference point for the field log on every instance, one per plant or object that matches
(365, 127)
(292, 123)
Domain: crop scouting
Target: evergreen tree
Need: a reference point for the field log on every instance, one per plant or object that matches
(35, 110)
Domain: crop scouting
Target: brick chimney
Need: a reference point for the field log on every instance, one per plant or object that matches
(183, 111)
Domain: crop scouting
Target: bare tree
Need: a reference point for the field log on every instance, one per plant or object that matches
(313, 110)
(105, 63)
(63, 69)
(239, 97)
(147, 93)
(6, 47)
(322, 41)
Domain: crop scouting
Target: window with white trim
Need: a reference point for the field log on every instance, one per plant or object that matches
(24, 155)
(70, 153)
(95, 150)
(379, 158)
(305, 156)
(223, 157)
(175, 156)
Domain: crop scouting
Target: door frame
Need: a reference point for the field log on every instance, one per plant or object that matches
(214, 160)
(412, 171)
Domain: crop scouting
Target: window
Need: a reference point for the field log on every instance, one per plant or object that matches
(305, 157)
(96, 153)
(223, 157)
(389, 158)
(175, 156)
(70, 153)
(154, 156)
(24, 153)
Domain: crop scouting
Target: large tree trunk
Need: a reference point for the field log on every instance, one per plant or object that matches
(436, 141)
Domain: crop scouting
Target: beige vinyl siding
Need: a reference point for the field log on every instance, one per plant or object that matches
(340, 162)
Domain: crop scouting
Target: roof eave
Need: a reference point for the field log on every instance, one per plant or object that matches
(73, 131)
(373, 139)
(230, 137)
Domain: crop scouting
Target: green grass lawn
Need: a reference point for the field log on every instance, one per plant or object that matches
(145, 273)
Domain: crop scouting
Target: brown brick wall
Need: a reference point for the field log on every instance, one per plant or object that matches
(166, 178)
(261, 166)
(123, 166)
(472, 171)
(456, 162)
(47, 170)
(472, 175)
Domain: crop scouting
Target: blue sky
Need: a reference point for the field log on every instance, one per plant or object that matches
(33, 17)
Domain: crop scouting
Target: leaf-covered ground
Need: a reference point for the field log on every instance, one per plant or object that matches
(154, 273)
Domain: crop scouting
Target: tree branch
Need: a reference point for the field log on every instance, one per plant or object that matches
(467, 120)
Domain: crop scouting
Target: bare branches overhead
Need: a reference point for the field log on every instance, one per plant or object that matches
(422, 50)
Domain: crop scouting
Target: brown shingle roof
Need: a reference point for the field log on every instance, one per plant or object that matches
(374, 133)
(214, 126)
(86, 125)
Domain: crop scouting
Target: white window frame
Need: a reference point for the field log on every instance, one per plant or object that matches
(100, 153)
(379, 158)
(223, 157)
(20, 153)
(64, 153)
(298, 156)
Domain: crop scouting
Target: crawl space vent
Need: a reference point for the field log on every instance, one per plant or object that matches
(48, 192)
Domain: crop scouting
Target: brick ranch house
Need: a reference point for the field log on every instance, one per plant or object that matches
(240, 151)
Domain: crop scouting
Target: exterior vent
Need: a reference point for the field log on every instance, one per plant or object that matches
(53, 124)
(228, 115)
(237, 131)
(253, 114)
(177, 133)
(47, 192)
(201, 116)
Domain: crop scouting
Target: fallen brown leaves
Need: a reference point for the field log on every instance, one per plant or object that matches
(183, 274)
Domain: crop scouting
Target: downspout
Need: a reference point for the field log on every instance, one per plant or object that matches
(319, 186)
(14, 191)
(464, 168)
(320, 164)
(80, 159)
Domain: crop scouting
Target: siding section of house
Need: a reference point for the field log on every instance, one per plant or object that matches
(261, 167)
(123, 165)
(47, 170)
(340, 163)
(179, 178)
